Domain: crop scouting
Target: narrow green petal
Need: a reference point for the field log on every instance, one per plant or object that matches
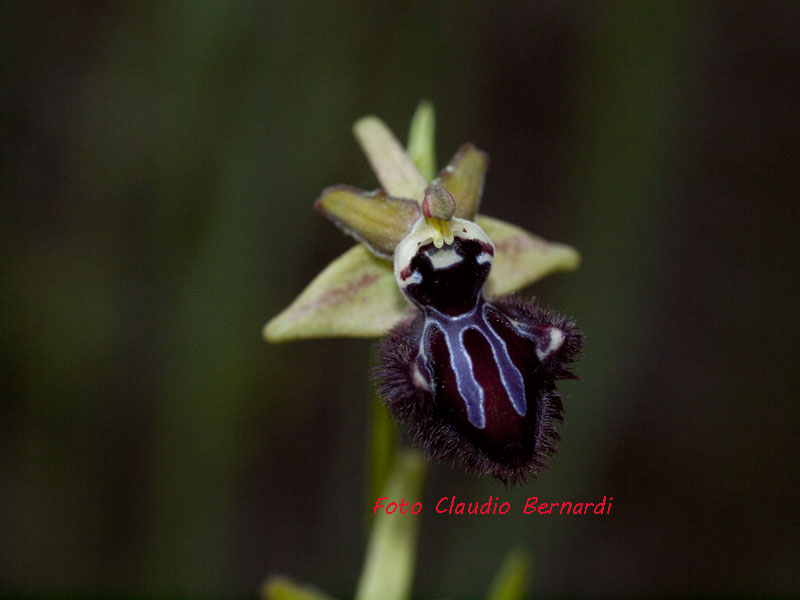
(393, 168)
(354, 296)
(520, 258)
(511, 580)
(378, 220)
(279, 587)
(463, 178)
(421, 144)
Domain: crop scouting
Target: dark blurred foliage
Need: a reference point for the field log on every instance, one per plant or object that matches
(159, 163)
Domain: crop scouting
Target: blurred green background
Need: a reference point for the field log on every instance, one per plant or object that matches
(159, 164)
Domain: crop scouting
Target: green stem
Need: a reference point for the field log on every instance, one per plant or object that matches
(382, 450)
(512, 579)
(391, 551)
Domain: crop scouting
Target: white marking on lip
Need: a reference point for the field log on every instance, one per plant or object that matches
(414, 278)
(420, 234)
(556, 339)
(483, 258)
(443, 258)
(419, 379)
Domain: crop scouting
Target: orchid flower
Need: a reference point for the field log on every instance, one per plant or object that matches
(468, 368)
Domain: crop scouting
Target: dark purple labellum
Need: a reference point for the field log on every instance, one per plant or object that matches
(475, 379)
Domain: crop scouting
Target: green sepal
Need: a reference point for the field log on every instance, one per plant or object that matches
(463, 178)
(521, 258)
(357, 295)
(354, 296)
(378, 220)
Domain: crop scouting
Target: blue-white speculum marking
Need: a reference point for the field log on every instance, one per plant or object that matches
(475, 378)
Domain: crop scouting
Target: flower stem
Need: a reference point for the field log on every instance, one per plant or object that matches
(391, 551)
(382, 450)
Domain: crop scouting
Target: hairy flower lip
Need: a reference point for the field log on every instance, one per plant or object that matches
(432, 426)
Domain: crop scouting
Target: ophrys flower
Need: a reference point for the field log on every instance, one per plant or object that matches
(474, 378)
